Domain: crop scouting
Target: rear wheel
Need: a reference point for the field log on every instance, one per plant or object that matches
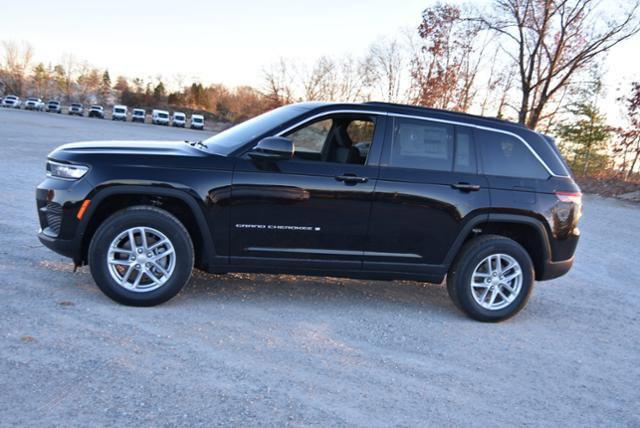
(491, 279)
(141, 256)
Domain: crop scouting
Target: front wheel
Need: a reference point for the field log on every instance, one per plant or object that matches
(141, 256)
(491, 279)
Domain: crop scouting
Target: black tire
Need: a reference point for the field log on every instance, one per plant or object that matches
(460, 276)
(141, 216)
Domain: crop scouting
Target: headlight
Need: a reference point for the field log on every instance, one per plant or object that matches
(70, 172)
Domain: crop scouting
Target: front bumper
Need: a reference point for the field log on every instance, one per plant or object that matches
(58, 202)
(63, 247)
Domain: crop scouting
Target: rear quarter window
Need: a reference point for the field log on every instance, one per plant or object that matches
(507, 156)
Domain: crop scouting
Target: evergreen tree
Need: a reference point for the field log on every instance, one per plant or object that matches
(105, 88)
(587, 135)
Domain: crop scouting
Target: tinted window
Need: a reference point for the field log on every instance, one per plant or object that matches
(422, 145)
(507, 156)
(465, 159)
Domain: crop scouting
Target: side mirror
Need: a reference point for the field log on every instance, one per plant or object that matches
(273, 148)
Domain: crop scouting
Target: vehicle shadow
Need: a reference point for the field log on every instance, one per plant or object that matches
(318, 291)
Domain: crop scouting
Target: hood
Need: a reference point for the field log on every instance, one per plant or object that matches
(175, 148)
(140, 155)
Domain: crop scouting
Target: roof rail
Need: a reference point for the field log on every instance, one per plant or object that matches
(437, 110)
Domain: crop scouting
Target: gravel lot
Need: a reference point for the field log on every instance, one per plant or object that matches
(282, 350)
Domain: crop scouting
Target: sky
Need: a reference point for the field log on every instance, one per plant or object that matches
(230, 41)
(219, 41)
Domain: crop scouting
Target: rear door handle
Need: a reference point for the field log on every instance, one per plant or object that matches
(351, 179)
(466, 187)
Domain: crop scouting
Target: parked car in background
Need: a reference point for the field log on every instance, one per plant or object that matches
(138, 115)
(197, 121)
(179, 119)
(76, 109)
(34, 103)
(160, 117)
(415, 193)
(96, 111)
(11, 101)
(119, 112)
(54, 106)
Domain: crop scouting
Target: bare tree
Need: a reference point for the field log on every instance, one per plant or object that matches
(278, 84)
(445, 65)
(16, 64)
(383, 69)
(628, 143)
(320, 83)
(66, 71)
(553, 41)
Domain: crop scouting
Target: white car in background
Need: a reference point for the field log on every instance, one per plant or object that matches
(96, 111)
(54, 106)
(197, 121)
(179, 119)
(11, 101)
(160, 117)
(138, 115)
(34, 103)
(119, 112)
(77, 109)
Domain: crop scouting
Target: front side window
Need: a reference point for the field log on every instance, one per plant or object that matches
(421, 144)
(338, 139)
(507, 156)
(311, 139)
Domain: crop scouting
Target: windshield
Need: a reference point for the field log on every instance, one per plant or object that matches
(235, 137)
(76, 105)
(138, 112)
(163, 115)
(119, 110)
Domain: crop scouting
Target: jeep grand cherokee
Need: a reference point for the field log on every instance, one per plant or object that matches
(368, 190)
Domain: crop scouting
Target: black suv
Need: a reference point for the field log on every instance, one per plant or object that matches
(370, 190)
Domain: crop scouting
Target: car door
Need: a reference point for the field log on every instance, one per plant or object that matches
(312, 210)
(428, 188)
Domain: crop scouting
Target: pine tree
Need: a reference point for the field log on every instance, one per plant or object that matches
(587, 136)
(105, 88)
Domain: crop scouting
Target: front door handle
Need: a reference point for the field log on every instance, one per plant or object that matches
(466, 187)
(351, 179)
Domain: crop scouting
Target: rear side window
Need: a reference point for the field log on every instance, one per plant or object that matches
(507, 156)
(421, 144)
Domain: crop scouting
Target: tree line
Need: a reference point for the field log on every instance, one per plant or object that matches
(536, 62)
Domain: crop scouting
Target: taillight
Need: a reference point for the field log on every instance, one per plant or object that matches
(575, 197)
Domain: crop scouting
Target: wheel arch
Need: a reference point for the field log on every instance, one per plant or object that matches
(178, 202)
(525, 230)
